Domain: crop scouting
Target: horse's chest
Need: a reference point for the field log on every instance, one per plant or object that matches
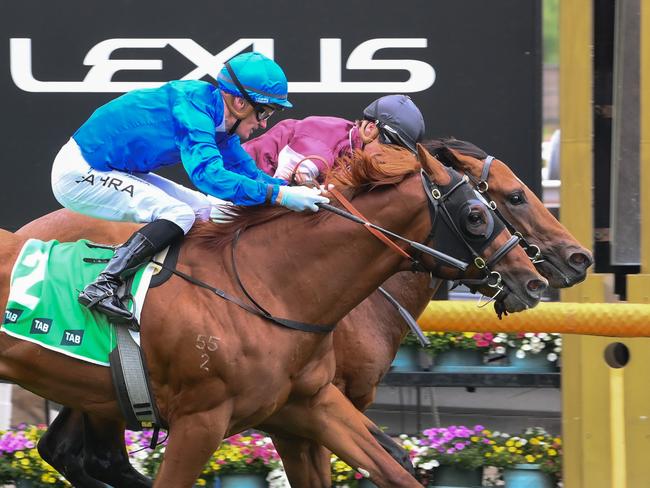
(313, 377)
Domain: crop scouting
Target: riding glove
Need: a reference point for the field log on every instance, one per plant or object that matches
(300, 198)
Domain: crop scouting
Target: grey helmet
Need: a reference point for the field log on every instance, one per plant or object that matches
(398, 119)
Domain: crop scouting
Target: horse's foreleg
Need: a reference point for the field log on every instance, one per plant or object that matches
(192, 440)
(305, 462)
(62, 447)
(105, 457)
(331, 420)
(397, 452)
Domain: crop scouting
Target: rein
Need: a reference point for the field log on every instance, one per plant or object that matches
(262, 312)
(382, 237)
(257, 309)
(355, 216)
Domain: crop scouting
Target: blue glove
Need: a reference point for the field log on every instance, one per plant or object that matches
(300, 198)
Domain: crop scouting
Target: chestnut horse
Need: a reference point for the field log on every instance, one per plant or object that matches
(367, 339)
(262, 374)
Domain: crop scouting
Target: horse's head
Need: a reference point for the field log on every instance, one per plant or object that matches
(555, 252)
(464, 226)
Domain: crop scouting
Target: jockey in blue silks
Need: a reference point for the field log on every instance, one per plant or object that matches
(105, 169)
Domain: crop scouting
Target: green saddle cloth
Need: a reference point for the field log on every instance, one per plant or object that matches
(43, 308)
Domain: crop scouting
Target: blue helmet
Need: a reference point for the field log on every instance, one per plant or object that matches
(398, 119)
(261, 78)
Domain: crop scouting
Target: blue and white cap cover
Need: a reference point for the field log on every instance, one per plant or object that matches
(262, 78)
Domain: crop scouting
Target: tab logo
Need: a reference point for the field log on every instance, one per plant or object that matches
(103, 66)
(12, 315)
(72, 337)
(41, 326)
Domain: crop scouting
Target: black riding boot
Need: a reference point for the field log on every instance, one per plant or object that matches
(102, 293)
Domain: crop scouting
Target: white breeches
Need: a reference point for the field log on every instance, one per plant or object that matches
(124, 197)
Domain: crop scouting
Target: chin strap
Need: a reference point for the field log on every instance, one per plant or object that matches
(239, 114)
(229, 101)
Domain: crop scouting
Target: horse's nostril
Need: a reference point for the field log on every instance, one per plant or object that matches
(536, 288)
(580, 260)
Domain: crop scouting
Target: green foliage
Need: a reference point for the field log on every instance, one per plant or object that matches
(444, 341)
(551, 31)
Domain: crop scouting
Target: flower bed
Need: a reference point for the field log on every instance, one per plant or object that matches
(521, 345)
(457, 446)
(19, 459)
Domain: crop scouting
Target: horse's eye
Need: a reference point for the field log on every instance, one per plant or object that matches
(475, 218)
(475, 224)
(516, 198)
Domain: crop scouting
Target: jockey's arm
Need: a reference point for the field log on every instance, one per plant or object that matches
(237, 159)
(293, 156)
(204, 163)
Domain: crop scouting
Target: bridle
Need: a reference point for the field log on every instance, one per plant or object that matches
(481, 185)
(446, 201)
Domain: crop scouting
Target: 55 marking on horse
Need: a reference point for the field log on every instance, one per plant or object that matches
(209, 343)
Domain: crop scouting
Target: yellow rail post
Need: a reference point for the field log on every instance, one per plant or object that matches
(637, 393)
(586, 409)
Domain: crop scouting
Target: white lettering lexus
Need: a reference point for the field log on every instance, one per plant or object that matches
(99, 77)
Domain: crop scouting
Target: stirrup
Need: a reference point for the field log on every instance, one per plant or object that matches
(92, 302)
(114, 317)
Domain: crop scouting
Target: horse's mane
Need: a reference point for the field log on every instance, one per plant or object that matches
(352, 175)
(362, 172)
(438, 148)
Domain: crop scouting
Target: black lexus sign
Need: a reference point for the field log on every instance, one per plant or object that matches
(473, 67)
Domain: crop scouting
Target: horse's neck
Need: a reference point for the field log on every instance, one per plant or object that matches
(316, 272)
(412, 291)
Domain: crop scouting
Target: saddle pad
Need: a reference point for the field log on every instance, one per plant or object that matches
(43, 308)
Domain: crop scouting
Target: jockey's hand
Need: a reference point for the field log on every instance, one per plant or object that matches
(300, 198)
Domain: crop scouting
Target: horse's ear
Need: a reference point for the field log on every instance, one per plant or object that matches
(430, 164)
(456, 159)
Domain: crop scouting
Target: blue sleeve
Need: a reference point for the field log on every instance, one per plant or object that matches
(202, 159)
(238, 160)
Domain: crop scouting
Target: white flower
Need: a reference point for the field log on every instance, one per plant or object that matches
(278, 479)
(535, 340)
(430, 464)
(558, 341)
(500, 350)
(552, 357)
(521, 354)
(497, 340)
(526, 347)
(529, 334)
